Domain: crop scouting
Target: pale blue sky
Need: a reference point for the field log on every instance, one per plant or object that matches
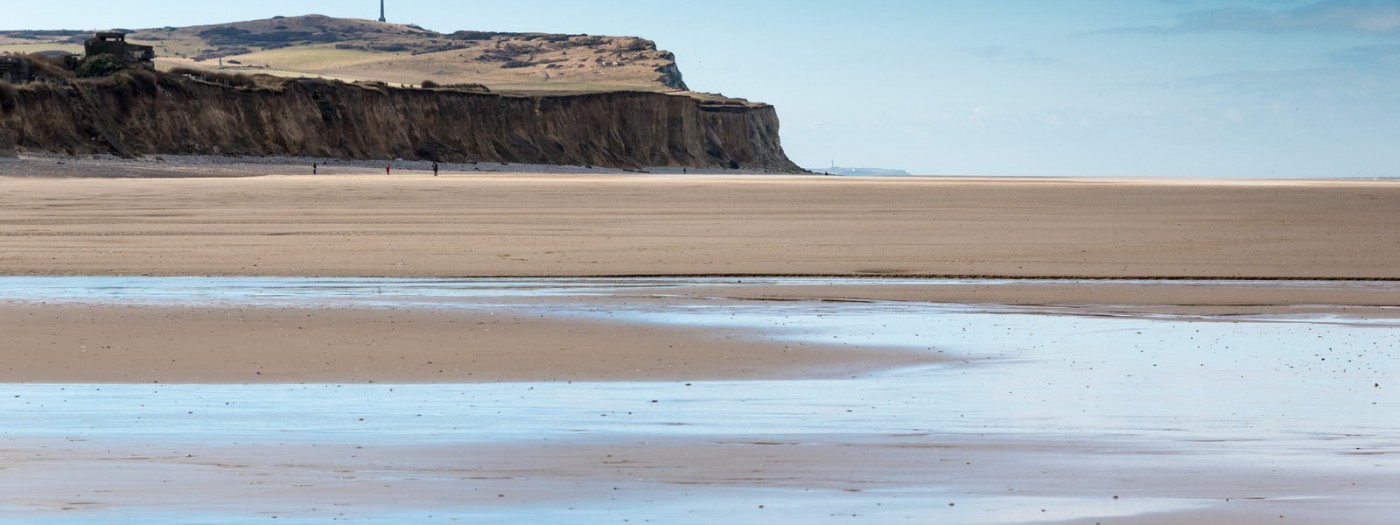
(1194, 88)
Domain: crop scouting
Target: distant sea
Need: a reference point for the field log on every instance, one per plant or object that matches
(860, 172)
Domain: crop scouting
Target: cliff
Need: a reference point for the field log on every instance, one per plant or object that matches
(143, 113)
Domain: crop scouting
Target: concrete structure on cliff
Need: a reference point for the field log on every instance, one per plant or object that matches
(14, 70)
(114, 43)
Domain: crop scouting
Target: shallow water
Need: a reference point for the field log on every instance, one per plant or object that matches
(1289, 393)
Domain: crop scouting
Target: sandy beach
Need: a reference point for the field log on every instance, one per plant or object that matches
(430, 342)
(1147, 352)
(503, 225)
(559, 225)
(121, 344)
(474, 225)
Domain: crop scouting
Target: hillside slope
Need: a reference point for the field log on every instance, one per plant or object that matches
(350, 49)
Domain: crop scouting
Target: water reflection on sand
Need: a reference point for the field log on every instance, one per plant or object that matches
(1067, 417)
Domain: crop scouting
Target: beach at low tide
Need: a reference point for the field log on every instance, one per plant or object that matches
(883, 410)
(588, 348)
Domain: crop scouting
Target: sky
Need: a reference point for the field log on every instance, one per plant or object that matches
(1121, 88)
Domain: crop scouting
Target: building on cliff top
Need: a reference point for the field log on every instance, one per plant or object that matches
(14, 70)
(114, 43)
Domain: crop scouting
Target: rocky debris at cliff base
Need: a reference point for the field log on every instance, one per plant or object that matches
(52, 165)
(7, 145)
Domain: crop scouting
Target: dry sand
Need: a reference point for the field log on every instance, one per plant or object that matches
(559, 225)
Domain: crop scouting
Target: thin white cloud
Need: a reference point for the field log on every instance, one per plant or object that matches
(1010, 54)
(1316, 85)
(1362, 16)
(1377, 56)
(1371, 17)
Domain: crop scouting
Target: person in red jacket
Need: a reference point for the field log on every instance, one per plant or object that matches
(386, 169)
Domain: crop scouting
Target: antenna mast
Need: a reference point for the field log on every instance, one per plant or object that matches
(381, 12)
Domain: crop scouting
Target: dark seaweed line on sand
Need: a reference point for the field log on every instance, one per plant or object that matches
(933, 277)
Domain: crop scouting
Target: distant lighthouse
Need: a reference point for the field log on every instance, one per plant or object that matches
(381, 12)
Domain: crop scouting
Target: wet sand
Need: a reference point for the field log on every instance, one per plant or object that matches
(1037, 418)
(621, 225)
(757, 479)
(275, 331)
(856, 402)
(1106, 297)
(122, 344)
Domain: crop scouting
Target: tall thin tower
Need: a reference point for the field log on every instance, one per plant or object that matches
(381, 12)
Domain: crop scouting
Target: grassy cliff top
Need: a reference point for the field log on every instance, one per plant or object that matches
(352, 49)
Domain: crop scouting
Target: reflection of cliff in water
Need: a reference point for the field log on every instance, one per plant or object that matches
(139, 113)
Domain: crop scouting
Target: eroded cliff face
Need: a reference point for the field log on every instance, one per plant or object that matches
(143, 114)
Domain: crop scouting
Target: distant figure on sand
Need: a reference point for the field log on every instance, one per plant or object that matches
(314, 168)
(386, 169)
(435, 168)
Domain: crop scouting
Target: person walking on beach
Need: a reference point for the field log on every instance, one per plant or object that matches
(435, 168)
(386, 169)
(315, 167)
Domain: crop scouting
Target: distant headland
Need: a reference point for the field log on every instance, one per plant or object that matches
(361, 89)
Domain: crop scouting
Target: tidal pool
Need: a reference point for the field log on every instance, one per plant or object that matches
(1068, 418)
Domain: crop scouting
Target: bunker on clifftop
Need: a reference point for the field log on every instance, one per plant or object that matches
(114, 43)
(14, 70)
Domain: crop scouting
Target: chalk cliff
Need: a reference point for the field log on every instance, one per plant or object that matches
(144, 113)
